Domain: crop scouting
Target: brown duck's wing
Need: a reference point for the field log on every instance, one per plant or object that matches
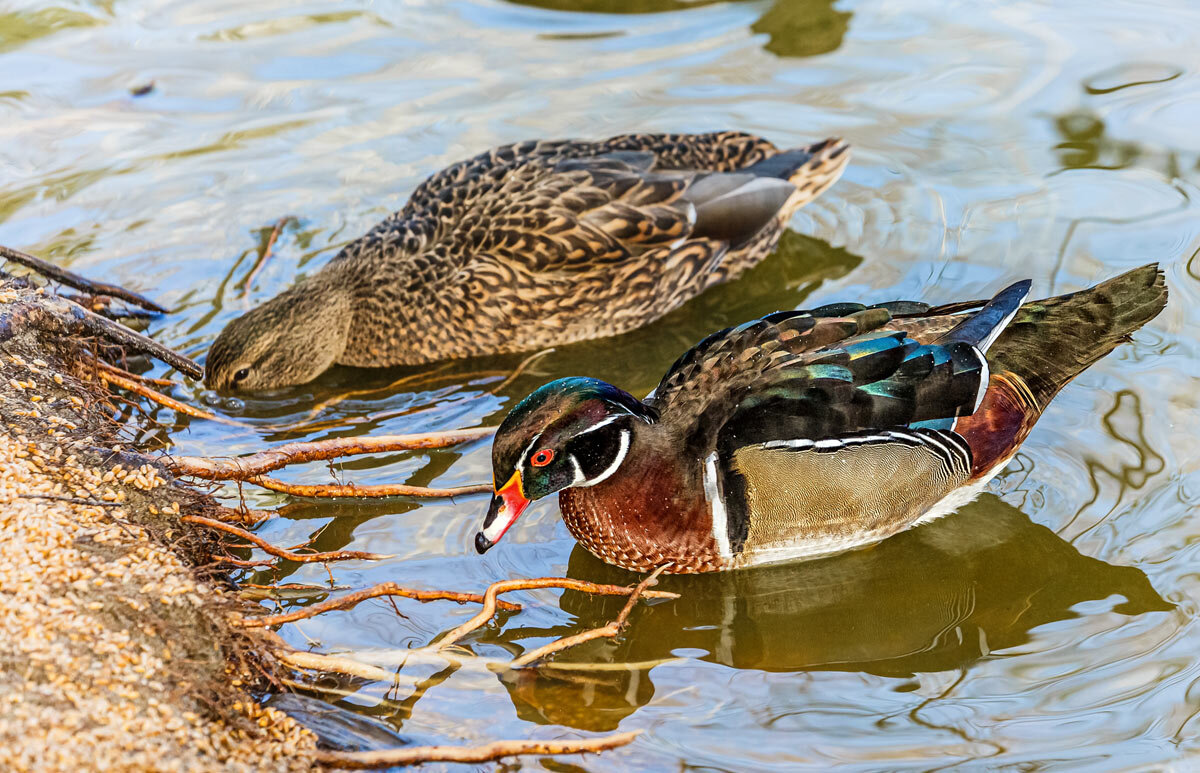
(579, 215)
(450, 200)
(486, 172)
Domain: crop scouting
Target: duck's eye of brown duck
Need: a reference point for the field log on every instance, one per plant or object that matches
(570, 432)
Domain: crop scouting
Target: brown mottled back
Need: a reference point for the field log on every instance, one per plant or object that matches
(547, 242)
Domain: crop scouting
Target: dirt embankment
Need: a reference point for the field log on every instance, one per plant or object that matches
(115, 647)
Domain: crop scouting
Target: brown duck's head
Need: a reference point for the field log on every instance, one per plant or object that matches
(570, 432)
(290, 339)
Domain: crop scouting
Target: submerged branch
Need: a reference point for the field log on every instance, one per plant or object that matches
(266, 253)
(304, 558)
(158, 397)
(383, 589)
(610, 631)
(71, 279)
(166, 382)
(350, 490)
(496, 750)
(313, 661)
(247, 467)
(507, 586)
(75, 318)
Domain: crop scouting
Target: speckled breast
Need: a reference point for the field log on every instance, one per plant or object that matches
(643, 527)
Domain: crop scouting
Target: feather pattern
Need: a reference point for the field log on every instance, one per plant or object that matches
(804, 433)
(537, 244)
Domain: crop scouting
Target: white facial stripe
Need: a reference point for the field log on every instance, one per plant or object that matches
(525, 454)
(579, 476)
(621, 453)
(603, 423)
(720, 521)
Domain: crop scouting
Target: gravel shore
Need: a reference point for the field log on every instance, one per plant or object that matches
(115, 650)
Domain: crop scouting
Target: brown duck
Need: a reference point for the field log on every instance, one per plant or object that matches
(532, 245)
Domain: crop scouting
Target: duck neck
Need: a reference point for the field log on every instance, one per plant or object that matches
(650, 512)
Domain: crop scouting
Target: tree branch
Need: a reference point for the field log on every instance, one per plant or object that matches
(71, 279)
(488, 752)
(507, 586)
(334, 490)
(351, 599)
(610, 631)
(304, 558)
(247, 467)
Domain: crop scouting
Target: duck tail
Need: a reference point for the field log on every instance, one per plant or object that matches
(1050, 342)
(811, 169)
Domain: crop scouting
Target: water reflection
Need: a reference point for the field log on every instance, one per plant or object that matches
(802, 27)
(1085, 145)
(794, 27)
(936, 598)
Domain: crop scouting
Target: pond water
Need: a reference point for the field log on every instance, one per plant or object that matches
(1051, 624)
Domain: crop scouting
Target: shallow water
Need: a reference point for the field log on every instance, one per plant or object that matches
(1053, 621)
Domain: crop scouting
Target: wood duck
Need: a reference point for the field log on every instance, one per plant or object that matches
(532, 245)
(805, 433)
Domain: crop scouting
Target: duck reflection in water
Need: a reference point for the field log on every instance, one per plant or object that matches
(935, 598)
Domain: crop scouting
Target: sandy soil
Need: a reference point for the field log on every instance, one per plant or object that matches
(115, 651)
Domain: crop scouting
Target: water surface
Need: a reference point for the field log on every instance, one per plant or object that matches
(1052, 623)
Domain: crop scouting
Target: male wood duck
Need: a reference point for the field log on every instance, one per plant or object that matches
(805, 433)
(532, 245)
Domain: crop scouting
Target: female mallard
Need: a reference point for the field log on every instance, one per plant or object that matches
(532, 245)
(805, 433)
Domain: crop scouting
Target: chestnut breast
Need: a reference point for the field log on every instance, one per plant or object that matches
(650, 512)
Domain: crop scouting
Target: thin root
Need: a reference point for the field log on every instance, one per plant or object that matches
(304, 558)
(507, 586)
(160, 398)
(266, 253)
(383, 589)
(610, 631)
(247, 467)
(334, 490)
(414, 755)
(165, 382)
(71, 279)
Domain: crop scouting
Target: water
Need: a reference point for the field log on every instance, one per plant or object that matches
(1052, 622)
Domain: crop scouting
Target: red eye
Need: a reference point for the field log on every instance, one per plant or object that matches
(542, 458)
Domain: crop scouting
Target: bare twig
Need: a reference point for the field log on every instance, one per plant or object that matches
(333, 490)
(75, 318)
(246, 467)
(71, 279)
(304, 558)
(383, 589)
(521, 366)
(244, 516)
(414, 755)
(266, 253)
(507, 586)
(161, 399)
(610, 631)
(166, 382)
(317, 662)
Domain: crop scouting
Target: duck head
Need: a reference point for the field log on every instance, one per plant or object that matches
(570, 432)
(290, 339)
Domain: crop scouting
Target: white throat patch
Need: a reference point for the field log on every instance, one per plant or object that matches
(622, 452)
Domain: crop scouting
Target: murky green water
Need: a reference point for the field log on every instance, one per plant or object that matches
(1052, 622)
